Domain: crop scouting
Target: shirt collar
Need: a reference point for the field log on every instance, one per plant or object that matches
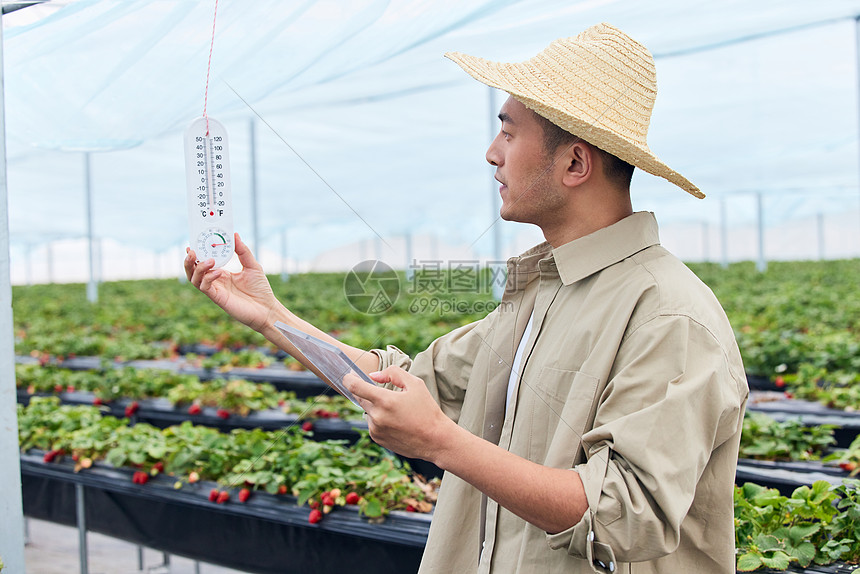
(582, 257)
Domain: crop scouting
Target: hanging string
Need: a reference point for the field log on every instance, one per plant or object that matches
(209, 67)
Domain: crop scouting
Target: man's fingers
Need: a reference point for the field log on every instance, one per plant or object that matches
(394, 375)
(362, 390)
(243, 252)
(200, 271)
(190, 261)
(208, 278)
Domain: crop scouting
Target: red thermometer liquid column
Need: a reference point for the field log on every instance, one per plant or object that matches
(210, 206)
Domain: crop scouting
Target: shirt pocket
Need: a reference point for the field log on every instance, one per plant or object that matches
(562, 410)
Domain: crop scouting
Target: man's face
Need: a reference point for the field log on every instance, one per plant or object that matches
(524, 168)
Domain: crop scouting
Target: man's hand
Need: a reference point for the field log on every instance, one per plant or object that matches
(245, 296)
(407, 421)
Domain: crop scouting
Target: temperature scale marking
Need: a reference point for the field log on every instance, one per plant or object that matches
(207, 169)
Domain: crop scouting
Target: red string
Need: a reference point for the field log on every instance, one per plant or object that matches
(209, 67)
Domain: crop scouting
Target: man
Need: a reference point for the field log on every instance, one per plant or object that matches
(591, 423)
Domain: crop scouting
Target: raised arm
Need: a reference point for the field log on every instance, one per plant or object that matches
(247, 297)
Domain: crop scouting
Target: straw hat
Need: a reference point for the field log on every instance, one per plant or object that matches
(599, 86)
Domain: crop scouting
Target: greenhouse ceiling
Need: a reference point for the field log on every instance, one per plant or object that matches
(362, 128)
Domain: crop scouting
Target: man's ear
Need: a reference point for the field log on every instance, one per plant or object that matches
(579, 160)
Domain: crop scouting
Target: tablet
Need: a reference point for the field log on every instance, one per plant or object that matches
(331, 361)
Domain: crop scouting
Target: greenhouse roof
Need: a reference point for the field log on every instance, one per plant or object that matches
(363, 129)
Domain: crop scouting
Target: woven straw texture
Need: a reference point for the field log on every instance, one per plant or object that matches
(599, 85)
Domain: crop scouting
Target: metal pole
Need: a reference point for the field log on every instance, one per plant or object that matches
(50, 257)
(820, 226)
(724, 233)
(498, 286)
(285, 275)
(761, 264)
(857, 44)
(254, 218)
(29, 267)
(80, 510)
(410, 270)
(11, 509)
(92, 286)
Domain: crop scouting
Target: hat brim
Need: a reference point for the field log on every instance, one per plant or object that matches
(520, 81)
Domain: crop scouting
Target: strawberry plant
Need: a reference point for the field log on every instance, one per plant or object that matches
(834, 389)
(774, 531)
(278, 462)
(764, 438)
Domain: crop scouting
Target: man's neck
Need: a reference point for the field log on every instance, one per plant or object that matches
(585, 223)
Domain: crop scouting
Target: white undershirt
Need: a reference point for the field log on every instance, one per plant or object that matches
(518, 357)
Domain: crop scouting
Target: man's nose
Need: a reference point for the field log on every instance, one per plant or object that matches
(493, 156)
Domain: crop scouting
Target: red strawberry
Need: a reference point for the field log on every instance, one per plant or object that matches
(244, 494)
(58, 388)
(223, 413)
(315, 516)
(97, 401)
(314, 504)
(194, 409)
(328, 501)
(848, 466)
(789, 395)
(282, 489)
(193, 477)
(223, 497)
(307, 426)
(49, 456)
(142, 477)
(352, 498)
(213, 495)
(779, 382)
(157, 468)
(131, 408)
(70, 388)
(410, 508)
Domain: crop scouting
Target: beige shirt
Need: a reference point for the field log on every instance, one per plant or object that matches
(631, 377)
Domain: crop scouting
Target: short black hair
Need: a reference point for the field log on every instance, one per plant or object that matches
(616, 170)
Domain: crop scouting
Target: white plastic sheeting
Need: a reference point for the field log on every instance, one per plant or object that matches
(364, 130)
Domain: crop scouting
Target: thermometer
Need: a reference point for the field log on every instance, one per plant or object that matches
(210, 207)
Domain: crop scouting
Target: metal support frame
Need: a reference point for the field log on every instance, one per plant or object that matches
(285, 273)
(11, 506)
(761, 262)
(92, 285)
(254, 217)
(724, 233)
(410, 269)
(80, 511)
(819, 224)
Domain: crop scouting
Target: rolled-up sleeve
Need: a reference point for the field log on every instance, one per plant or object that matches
(446, 365)
(672, 399)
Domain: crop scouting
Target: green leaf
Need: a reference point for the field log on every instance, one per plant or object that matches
(779, 561)
(372, 508)
(803, 553)
(767, 542)
(801, 531)
(749, 562)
